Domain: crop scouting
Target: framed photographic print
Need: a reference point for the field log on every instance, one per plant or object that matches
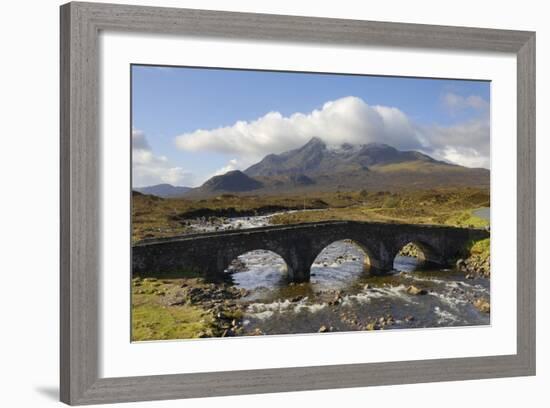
(242, 192)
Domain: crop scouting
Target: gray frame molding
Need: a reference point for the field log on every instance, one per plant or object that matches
(80, 233)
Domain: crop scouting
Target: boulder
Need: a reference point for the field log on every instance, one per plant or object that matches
(413, 290)
(482, 305)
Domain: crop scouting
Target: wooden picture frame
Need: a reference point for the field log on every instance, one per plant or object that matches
(81, 24)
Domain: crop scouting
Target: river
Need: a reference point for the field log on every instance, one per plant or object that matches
(341, 296)
(483, 213)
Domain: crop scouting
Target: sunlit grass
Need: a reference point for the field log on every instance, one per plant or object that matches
(481, 247)
(466, 219)
(153, 318)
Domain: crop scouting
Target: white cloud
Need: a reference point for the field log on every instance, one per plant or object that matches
(350, 120)
(456, 102)
(150, 169)
(233, 164)
(467, 143)
(347, 119)
(465, 156)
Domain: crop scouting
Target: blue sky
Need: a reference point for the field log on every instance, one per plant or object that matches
(192, 123)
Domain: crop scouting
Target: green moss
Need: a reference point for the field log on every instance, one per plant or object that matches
(481, 247)
(466, 219)
(155, 322)
(153, 318)
(477, 249)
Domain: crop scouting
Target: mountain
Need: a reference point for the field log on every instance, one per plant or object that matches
(314, 159)
(163, 190)
(316, 167)
(231, 182)
(297, 161)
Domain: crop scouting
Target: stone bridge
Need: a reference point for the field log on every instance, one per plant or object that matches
(211, 253)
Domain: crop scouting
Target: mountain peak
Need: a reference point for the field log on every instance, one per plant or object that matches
(314, 143)
(233, 173)
(232, 181)
(315, 140)
(316, 167)
(314, 159)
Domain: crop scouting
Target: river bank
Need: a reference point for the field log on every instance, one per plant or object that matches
(204, 310)
(478, 263)
(341, 296)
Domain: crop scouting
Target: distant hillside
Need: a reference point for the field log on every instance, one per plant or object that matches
(231, 182)
(163, 190)
(315, 167)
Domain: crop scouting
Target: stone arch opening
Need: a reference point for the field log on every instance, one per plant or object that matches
(340, 262)
(412, 256)
(256, 269)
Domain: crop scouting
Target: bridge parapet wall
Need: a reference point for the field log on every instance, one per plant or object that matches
(210, 254)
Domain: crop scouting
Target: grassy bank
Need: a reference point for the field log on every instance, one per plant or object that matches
(478, 259)
(447, 207)
(156, 317)
(184, 308)
(481, 248)
(479, 251)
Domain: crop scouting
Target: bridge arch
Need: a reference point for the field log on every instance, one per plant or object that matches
(228, 255)
(244, 269)
(425, 251)
(367, 254)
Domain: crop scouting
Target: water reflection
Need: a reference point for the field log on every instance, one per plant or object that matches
(258, 269)
(338, 266)
(403, 263)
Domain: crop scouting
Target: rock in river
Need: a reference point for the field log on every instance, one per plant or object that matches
(413, 290)
(482, 305)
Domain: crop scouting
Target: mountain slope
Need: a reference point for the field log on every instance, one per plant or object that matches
(316, 167)
(231, 182)
(314, 158)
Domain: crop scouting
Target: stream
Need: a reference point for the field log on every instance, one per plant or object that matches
(341, 296)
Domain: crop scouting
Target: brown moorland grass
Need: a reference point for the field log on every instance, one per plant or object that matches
(157, 217)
